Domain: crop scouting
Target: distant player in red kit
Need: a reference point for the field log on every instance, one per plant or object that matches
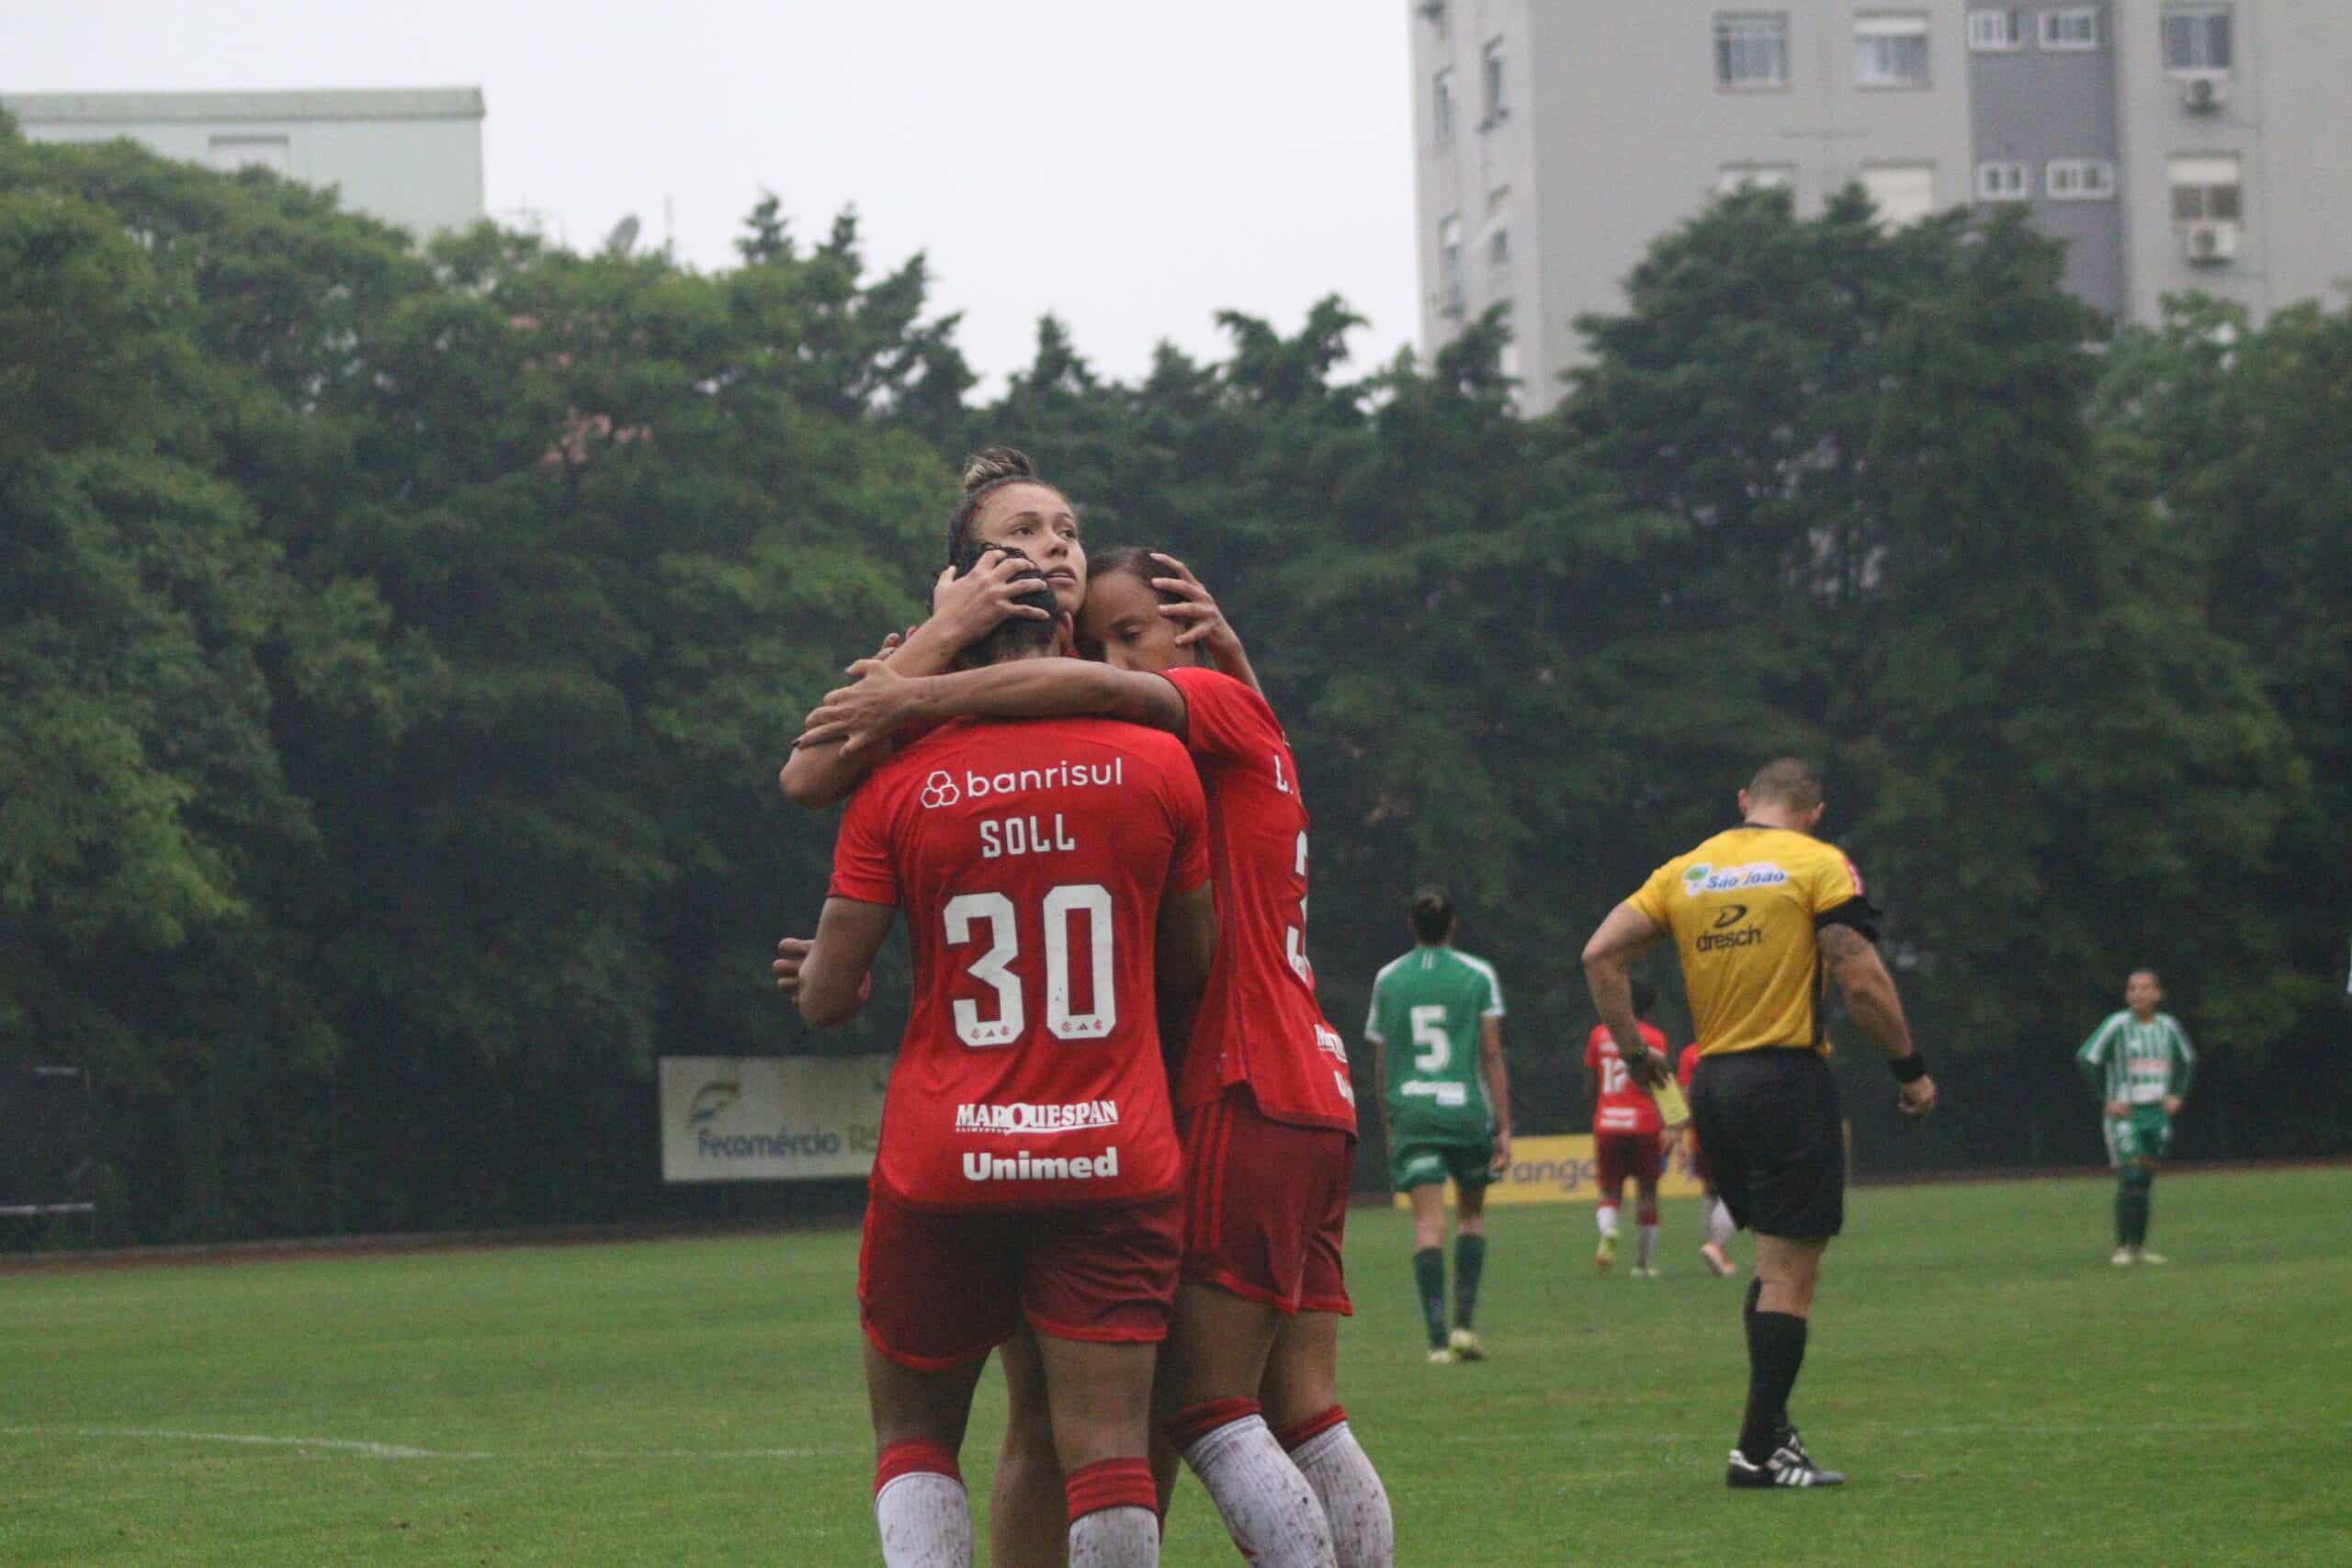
(1248, 1378)
(1712, 1212)
(1626, 1129)
(1055, 879)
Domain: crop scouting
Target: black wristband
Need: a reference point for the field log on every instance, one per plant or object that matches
(1907, 1069)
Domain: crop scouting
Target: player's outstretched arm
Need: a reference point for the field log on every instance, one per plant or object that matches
(1609, 957)
(832, 972)
(964, 610)
(884, 700)
(1853, 962)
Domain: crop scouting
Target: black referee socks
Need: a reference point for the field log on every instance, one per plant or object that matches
(1775, 1355)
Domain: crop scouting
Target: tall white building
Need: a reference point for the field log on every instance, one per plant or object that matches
(411, 156)
(2175, 145)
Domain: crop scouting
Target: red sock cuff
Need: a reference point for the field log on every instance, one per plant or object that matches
(1194, 1422)
(1110, 1484)
(1298, 1434)
(910, 1455)
(1648, 1216)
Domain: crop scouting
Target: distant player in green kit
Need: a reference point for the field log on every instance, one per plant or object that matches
(1448, 1104)
(2139, 1063)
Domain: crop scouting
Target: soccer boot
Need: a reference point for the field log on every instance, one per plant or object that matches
(1466, 1347)
(2124, 1258)
(1605, 1257)
(1786, 1467)
(1642, 1271)
(1442, 1356)
(2142, 1255)
(1717, 1264)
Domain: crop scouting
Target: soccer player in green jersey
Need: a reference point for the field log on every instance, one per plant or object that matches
(2139, 1063)
(1448, 1107)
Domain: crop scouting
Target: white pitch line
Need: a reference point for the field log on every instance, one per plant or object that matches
(402, 1451)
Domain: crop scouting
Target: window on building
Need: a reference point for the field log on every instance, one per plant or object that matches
(1752, 48)
(1755, 176)
(1442, 107)
(2075, 27)
(271, 152)
(2003, 182)
(1434, 13)
(1996, 31)
(1449, 266)
(2206, 189)
(2197, 40)
(1903, 193)
(1490, 73)
(1891, 50)
(1498, 247)
(2079, 179)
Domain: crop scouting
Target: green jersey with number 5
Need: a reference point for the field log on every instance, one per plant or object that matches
(1426, 1008)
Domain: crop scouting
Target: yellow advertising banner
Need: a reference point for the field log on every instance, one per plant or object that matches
(1560, 1171)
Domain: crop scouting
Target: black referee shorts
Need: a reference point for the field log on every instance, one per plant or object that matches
(1769, 1123)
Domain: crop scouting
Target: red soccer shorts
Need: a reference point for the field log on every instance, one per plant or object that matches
(1266, 1205)
(1617, 1155)
(938, 1289)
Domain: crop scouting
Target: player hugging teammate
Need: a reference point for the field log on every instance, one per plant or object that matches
(1246, 1386)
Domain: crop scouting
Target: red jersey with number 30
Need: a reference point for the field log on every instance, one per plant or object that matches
(1624, 1106)
(1259, 1023)
(1030, 858)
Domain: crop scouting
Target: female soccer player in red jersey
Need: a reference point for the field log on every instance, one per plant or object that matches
(1248, 1377)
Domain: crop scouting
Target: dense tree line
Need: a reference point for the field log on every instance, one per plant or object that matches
(396, 649)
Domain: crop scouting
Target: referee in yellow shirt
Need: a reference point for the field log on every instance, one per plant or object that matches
(1761, 918)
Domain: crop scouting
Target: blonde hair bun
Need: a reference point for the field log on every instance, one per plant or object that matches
(990, 464)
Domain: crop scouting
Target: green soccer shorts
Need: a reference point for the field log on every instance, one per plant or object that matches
(1421, 1163)
(2146, 1134)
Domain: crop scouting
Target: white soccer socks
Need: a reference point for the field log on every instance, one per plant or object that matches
(921, 1507)
(1605, 1217)
(1720, 1228)
(1268, 1506)
(1355, 1504)
(1114, 1515)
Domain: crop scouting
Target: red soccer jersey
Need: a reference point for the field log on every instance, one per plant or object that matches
(1259, 1023)
(1030, 858)
(1625, 1105)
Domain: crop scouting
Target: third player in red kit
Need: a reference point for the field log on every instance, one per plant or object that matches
(1626, 1131)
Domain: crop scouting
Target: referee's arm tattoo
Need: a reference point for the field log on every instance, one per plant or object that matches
(1853, 962)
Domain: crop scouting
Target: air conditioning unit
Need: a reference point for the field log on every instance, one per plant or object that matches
(2210, 244)
(2203, 95)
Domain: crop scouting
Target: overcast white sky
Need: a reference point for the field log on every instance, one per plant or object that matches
(1133, 167)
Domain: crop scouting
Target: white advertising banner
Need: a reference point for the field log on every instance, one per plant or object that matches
(770, 1118)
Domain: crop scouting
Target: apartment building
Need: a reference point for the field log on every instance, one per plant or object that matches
(2174, 144)
(411, 156)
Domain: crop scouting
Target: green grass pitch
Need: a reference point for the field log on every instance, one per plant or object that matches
(1999, 1393)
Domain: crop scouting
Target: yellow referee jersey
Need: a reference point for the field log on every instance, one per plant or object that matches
(1743, 908)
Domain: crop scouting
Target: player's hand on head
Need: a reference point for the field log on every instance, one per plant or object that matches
(974, 603)
(1917, 1097)
(790, 955)
(1196, 610)
(861, 715)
